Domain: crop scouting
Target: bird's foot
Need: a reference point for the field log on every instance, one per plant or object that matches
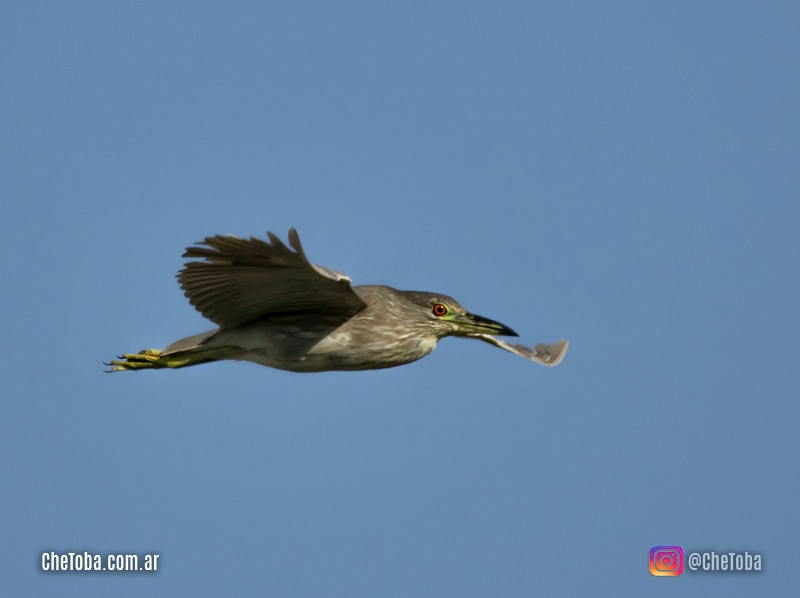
(147, 358)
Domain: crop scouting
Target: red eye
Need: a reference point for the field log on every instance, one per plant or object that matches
(439, 309)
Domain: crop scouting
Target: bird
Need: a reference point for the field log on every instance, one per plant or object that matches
(273, 307)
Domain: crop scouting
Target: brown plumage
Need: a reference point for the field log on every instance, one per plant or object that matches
(274, 307)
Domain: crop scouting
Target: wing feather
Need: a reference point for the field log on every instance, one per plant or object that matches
(236, 280)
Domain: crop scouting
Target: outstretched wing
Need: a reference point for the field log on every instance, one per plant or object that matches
(239, 280)
(542, 353)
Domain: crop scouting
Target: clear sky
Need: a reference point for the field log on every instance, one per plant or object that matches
(621, 174)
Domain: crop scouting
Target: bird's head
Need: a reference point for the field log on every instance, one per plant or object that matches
(449, 318)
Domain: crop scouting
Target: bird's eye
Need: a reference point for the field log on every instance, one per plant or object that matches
(439, 309)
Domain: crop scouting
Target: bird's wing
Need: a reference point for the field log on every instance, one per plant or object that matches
(542, 353)
(239, 280)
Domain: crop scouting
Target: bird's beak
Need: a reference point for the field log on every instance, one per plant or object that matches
(472, 324)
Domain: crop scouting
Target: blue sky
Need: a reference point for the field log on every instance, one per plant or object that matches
(623, 175)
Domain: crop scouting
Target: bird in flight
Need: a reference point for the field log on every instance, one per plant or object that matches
(274, 307)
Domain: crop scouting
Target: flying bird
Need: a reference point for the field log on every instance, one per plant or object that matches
(274, 307)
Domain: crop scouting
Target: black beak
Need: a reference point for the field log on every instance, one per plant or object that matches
(480, 325)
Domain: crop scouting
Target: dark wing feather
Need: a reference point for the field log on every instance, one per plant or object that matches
(239, 280)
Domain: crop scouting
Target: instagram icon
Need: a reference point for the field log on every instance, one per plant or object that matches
(666, 560)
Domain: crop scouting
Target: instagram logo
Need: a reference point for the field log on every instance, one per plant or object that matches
(666, 560)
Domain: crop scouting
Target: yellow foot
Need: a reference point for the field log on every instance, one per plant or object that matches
(147, 358)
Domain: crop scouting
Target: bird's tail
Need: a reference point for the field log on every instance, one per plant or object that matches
(155, 359)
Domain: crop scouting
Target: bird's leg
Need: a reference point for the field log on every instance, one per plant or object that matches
(146, 358)
(155, 359)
